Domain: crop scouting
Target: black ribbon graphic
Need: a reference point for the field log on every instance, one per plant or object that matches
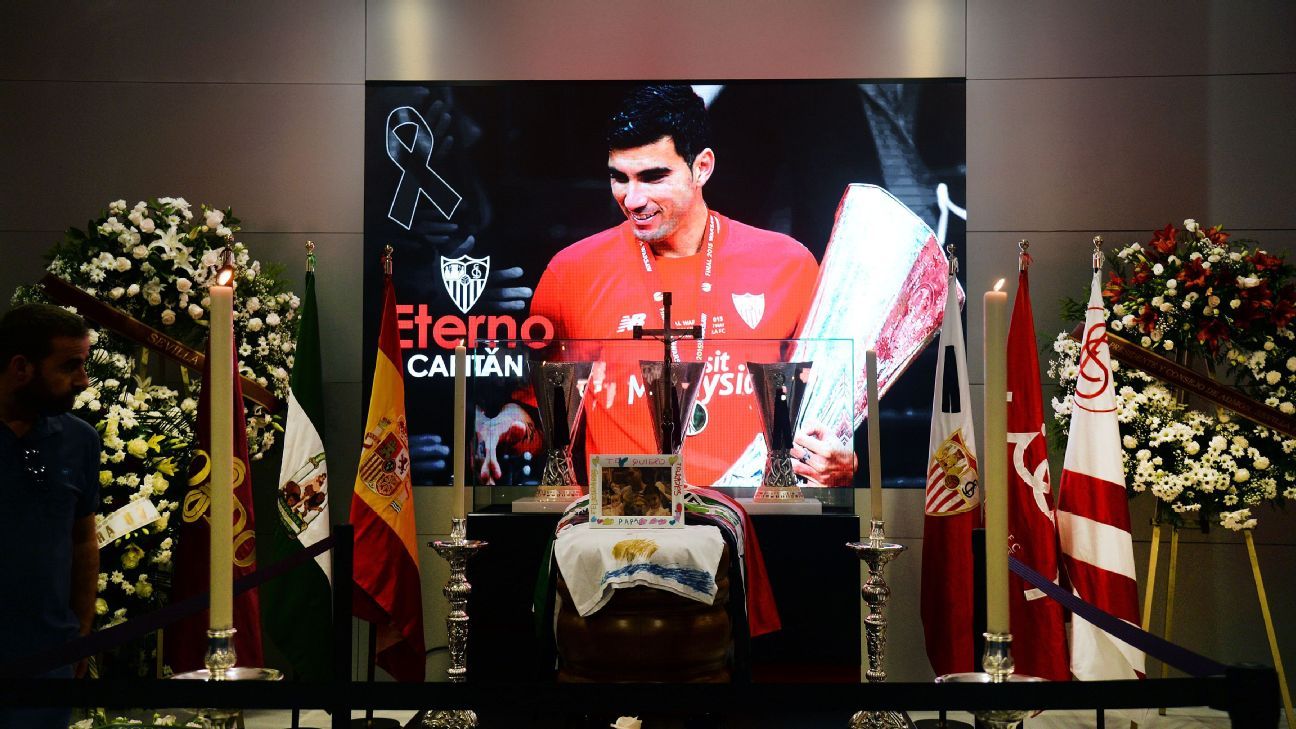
(415, 163)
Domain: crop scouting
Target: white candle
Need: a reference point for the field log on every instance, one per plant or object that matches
(874, 435)
(458, 453)
(994, 474)
(221, 422)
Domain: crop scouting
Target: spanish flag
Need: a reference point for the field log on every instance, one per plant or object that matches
(382, 512)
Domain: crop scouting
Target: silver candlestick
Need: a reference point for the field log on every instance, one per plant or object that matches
(877, 553)
(220, 660)
(457, 551)
(999, 668)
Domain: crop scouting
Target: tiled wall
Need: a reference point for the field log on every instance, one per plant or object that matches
(1098, 117)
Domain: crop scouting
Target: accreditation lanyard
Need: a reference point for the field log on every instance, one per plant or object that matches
(653, 284)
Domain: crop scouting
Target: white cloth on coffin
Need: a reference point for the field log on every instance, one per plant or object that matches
(597, 562)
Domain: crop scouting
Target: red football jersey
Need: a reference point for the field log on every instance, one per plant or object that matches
(745, 283)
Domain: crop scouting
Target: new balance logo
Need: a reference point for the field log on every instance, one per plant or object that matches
(630, 321)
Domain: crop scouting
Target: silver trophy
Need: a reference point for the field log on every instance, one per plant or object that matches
(671, 405)
(780, 388)
(559, 394)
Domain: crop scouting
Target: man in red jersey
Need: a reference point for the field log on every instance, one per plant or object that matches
(735, 281)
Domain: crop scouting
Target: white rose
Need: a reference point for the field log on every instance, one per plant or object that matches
(122, 264)
(1286, 408)
(1241, 475)
(117, 207)
(1273, 377)
(252, 304)
(254, 324)
(168, 317)
(117, 292)
(1168, 344)
(1261, 463)
(154, 298)
(1158, 269)
(213, 218)
(147, 225)
(1235, 303)
(132, 290)
(1192, 448)
(272, 319)
(195, 311)
(1190, 225)
(1129, 442)
(1291, 364)
(183, 285)
(224, 232)
(1248, 282)
(139, 251)
(1172, 284)
(1268, 345)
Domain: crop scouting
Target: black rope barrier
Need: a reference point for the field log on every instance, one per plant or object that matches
(1159, 648)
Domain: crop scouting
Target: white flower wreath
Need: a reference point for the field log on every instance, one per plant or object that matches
(1229, 305)
(153, 261)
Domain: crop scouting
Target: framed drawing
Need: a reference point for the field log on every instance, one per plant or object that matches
(636, 491)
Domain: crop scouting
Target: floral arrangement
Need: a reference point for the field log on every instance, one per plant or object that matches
(148, 435)
(153, 261)
(1194, 295)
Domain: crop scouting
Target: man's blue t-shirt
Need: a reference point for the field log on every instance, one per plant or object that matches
(36, 517)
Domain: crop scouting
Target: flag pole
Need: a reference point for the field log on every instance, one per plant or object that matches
(371, 655)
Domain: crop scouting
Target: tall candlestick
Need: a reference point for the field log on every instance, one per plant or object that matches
(994, 474)
(459, 453)
(874, 436)
(221, 422)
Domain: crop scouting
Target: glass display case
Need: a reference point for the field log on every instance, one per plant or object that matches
(538, 410)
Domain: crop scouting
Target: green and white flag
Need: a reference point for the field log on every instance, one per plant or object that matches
(296, 609)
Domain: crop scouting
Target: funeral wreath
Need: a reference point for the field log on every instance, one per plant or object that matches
(1222, 307)
(152, 261)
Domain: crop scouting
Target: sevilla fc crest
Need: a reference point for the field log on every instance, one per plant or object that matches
(952, 486)
(751, 307)
(465, 279)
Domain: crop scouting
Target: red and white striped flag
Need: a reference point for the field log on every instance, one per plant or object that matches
(952, 508)
(1093, 512)
(1038, 623)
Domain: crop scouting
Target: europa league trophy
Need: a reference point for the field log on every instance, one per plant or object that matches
(672, 405)
(558, 399)
(780, 387)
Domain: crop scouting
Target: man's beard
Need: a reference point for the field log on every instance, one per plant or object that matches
(37, 398)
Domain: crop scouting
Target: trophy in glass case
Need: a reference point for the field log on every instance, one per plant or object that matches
(671, 404)
(559, 395)
(780, 388)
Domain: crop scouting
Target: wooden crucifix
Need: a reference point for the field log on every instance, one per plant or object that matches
(668, 337)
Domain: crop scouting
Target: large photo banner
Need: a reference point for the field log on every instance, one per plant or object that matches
(515, 213)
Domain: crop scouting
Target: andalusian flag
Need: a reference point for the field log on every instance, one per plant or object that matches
(297, 610)
(382, 510)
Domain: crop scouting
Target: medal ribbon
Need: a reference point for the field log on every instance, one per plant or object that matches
(653, 283)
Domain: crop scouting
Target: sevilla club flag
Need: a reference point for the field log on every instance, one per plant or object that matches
(953, 506)
(186, 640)
(382, 511)
(1093, 513)
(298, 605)
(1039, 633)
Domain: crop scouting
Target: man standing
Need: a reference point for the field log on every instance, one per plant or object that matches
(49, 491)
(731, 279)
